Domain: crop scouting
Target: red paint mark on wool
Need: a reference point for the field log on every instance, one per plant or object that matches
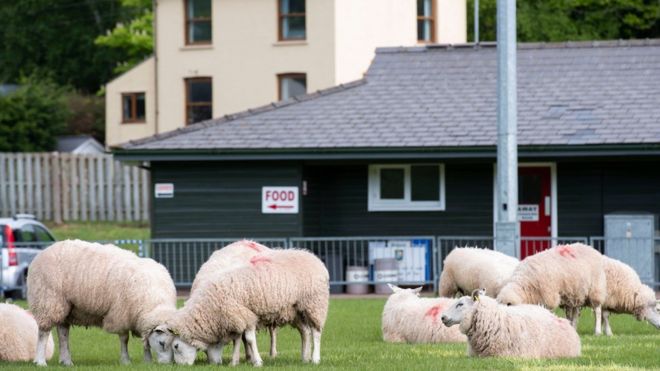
(566, 251)
(434, 311)
(253, 245)
(259, 259)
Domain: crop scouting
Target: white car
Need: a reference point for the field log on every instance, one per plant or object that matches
(21, 239)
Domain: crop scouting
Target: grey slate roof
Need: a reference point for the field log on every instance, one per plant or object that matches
(445, 96)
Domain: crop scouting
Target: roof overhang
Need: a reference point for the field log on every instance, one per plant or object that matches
(485, 152)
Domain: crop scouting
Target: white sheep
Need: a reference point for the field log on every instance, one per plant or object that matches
(525, 331)
(627, 294)
(89, 284)
(220, 262)
(18, 335)
(409, 318)
(467, 269)
(567, 275)
(276, 288)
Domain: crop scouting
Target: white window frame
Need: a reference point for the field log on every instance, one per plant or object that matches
(405, 204)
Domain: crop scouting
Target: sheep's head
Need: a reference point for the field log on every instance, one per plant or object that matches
(463, 306)
(396, 289)
(509, 296)
(184, 353)
(160, 341)
(648, 302)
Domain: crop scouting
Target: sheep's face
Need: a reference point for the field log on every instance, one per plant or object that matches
(455, 314)
(184, 353)
(509, 296)
(160, 341)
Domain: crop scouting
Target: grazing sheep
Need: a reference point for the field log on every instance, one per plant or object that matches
(467, 269)
(88, 284)
(18, 335)
(526, 331)
(566, 275)
(627, 294)
(276, 288)
(220, 262)
(409, 318)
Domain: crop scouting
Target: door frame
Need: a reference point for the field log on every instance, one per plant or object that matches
(553, 193)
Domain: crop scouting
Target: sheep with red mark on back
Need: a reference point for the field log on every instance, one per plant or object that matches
(275, 288)
(411, 319)
(569, 276)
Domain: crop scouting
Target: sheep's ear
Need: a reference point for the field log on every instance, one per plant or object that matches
(394, 288)
(417, 290)
(476, 293)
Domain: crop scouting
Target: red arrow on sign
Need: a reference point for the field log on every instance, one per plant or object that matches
(275, 207)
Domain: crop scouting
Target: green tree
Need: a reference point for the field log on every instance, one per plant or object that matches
(563, 20)
(133, 39)
(56, 37)
(32, 116)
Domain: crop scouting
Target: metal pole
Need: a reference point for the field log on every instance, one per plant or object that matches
(507, 227)
(476, 22)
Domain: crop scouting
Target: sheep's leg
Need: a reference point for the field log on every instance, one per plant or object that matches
(124, 358)
(147, 350)
(598, 314)
(248, 351)
(42, 342)
(316, 355)
(273, 341)
(63, 337)
(305, 343)
(251, 337)
(573, 315)
(236, 355)
(214, 353)
(606, 322)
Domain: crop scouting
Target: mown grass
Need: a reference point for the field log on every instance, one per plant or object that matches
(101, 231)
(352, 341)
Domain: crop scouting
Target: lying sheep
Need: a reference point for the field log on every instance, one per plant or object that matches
(526, 331)
(88, 284)
(220, 262)
(18, 335)
(467, 269)
(566, 275)
(627, 294)
(276, 288)
(409, 318)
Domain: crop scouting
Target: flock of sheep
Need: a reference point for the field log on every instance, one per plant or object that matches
(519, 323)
(246, 286)
(242, 287)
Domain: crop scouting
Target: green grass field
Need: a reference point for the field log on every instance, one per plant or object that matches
(352, 341)
(100, 231)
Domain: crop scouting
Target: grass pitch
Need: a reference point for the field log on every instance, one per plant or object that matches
(352, 341)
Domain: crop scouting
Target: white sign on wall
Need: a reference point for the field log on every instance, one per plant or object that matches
(279, 200)
(164, 190)
(528, 213)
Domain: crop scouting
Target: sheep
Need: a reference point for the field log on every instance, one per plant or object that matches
(467, 269)
(409, 318)
(18, 335)
(89, 284)
(566, 275)
(276, 288)
(525, 331)
(627, 294)
(221, 261)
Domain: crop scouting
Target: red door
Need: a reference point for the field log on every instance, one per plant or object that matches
(534, 208)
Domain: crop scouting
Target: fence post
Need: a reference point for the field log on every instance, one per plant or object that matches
(57, 194)
(4, 210)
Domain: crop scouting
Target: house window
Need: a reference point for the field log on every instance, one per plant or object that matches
(291, 19)
(291, 85)
(418, 187)
(133, 108)
(199, 99)
(198, 22)
(426, 21)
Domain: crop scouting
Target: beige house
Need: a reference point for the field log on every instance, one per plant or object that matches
(217, 57)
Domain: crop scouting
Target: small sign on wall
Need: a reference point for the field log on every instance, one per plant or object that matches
(279, 200)
(164, 190)
(528, 213)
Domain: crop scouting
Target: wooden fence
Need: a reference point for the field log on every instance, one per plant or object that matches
(62, 187)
